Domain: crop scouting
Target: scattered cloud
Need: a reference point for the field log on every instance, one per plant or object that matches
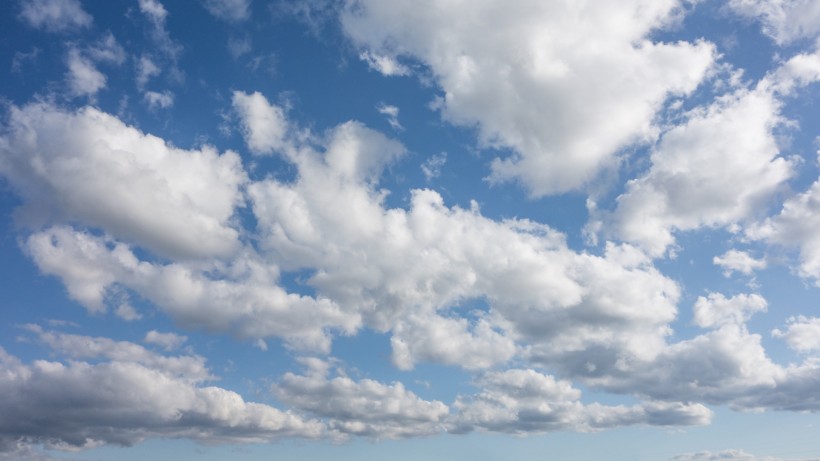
(392, 114)
(432, 166)
(738, 261)
(386, 65)
(168, 341)
(264, 126)
(716, 309)
(157, 100)
(55, 15)
(785, 21)
(802, 333)
(229, 10)
(83, 78)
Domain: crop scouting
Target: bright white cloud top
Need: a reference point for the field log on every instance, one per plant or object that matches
(524, 227)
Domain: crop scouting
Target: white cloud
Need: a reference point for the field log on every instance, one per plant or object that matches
(527, 402)
(88, 166)
(264, 126)
(716, 169)
(229, 10)
(121, 401)
(157, 15)
(392, 114)
(83, 78)
(802, 333)
(566, 85)
(127, 312)
(154, 10)
(385, 65)
(108, 49)
(364, 408)
(451, 341)
(796, 226)
(168, 341)
(55, 15)
(157, 100)
(733, 455)
(432, 166)
(784, 20)
(244, 300)
(738, 261)
(186, 367)
(146, 70)
(717, 310)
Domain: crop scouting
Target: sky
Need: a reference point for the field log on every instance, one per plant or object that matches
(410, 229)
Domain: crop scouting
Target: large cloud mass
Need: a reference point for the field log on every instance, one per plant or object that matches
(565, 85)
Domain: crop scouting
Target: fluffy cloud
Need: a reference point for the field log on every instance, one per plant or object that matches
(802, 334)
(365, 407)
(123, 399)
(784, 20)
(89, 167)
(263, 124)
(717, 169)
(83, 78)
(565, 85)
(526, 402)
(738, 261)
(229, 10)
(716, 309)
(55, 15)
(796, 225)
(244, 299)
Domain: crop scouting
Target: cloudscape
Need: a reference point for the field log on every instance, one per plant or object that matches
(395, 229)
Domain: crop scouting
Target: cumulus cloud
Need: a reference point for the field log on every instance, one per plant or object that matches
(55, 15)
(738, 261)
(364, 408)
(564, 85)
(785, 21)
(795, 226)
(245, 300)
(83, 78)
(88, 166)
(229, 10)
(122, 401)
(264, 126)
(802, 333)
(526, 402)
(716, 309)
(718, 168)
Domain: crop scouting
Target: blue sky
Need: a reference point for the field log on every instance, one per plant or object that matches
(401, 229)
